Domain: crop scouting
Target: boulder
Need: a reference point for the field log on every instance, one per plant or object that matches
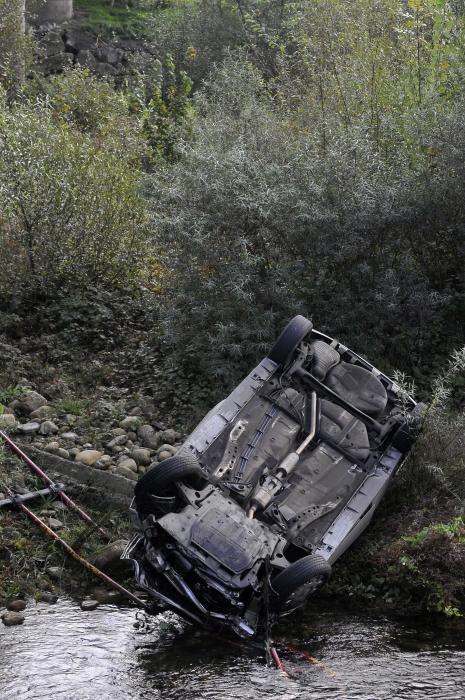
(127, 473)
(109, 54)
(42, 413)
(32, 401)
(89, 605)
(48, 597)
(28, 428)
(169, 436)
(52, 446)
(131, 423)
(48, 427)
(88, 457)
(148, 436)
(55, 572)
(167, 448)
(116, 432)
(86, 59)
(12, 618)
(61, 452)
(17, 605)
(141, 455)
(128, 463)
(118, 441)
(72, 437)
(55, 524)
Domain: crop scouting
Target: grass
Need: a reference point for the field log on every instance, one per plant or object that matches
(100, 16)
(26, 552)
(74, 406)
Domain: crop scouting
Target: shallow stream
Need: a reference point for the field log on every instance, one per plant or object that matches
(63, 653)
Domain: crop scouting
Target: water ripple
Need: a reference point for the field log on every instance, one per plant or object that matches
(63, 653)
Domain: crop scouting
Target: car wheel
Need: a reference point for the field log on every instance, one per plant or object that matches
(160, 480)
(404, 437)
(289, 339)
(295, 584)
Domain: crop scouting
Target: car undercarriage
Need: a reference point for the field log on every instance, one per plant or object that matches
(272, 486)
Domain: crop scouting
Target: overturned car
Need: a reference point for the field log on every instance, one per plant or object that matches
(272, 486)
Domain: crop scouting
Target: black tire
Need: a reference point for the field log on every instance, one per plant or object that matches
(405, 435)
(160, 480)
(296, 583)
(289, 339)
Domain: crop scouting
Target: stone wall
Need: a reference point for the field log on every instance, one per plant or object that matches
(43, 11)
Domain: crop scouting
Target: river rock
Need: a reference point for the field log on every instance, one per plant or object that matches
(86, 59)
(28, 428)
(108, 558)
(12, 618)
(61, 452)
(74, 451)
(52, 446)
(32, 401)
(115, 432)
(48, 597)
(70, 419)
(48, 427)
(131, 423)
(17, 605)
(55, 524)
(166, 448)
(89, 604)
(168, 436)
(148, 436)
(121, 470)
(72, 437)
(7, 420)
(88, 457)
(118, 441)
(141, 455)
(55, 572)
(164, 454)
(127, 462)
(41, 413)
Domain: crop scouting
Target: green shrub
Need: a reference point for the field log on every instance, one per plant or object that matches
(329, 187)
(437, 462)
(71, 203)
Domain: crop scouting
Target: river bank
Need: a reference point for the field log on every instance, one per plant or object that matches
(112, 403)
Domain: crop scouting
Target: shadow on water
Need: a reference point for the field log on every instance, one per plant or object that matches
(111, 653)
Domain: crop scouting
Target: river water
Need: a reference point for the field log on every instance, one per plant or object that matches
(112, 653)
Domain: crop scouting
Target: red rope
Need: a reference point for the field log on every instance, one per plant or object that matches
(66, 499)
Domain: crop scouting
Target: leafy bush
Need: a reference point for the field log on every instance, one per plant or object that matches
(437, 462)
(329, 187)
(71, 203)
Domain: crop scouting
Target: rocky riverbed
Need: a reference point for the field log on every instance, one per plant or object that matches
(103, 438)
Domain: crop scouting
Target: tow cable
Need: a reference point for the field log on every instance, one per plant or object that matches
(18, 501)
(63, 497)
